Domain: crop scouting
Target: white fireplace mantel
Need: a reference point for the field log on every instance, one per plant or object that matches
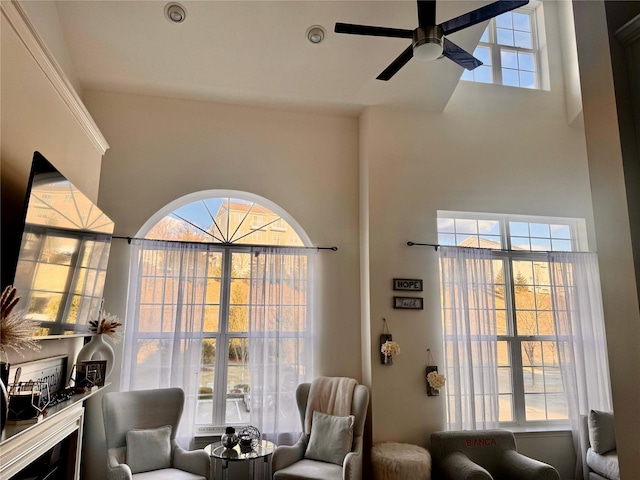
(22, 445)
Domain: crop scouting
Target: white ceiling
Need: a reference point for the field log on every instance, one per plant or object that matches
(256, 52)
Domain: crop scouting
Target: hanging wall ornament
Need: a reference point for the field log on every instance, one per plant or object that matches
(435, 380)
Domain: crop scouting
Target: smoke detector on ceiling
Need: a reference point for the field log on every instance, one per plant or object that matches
(175, 12)
(315, 34)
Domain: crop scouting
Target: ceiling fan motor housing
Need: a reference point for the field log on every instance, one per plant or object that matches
(427, 42)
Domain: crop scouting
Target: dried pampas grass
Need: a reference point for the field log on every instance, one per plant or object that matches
(16, 331)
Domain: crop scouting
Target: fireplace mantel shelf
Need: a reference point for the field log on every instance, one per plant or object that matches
(23, 444)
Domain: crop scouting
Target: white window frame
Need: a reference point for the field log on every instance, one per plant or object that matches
(514, 341)
(533, 10)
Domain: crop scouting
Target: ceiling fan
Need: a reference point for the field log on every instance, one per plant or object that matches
(428, 40)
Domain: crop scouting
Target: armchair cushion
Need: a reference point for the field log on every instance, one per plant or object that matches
(331, 438)
(149, 449)
(602, 433)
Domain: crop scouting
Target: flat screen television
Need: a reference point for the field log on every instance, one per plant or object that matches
(62, 262)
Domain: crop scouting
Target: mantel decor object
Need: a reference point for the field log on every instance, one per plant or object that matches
(97, 348)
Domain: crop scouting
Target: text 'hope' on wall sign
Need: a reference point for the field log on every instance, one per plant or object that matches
(414, 285)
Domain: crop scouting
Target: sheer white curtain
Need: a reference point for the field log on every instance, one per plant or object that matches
(164, 323)
(470, 341)
(280, 338)
(580, 335)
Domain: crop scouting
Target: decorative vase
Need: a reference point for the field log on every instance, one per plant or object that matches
(97, 349)
(229, 439)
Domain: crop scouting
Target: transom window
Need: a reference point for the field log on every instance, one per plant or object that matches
(530, 383)
(232, 225)
(509, 51)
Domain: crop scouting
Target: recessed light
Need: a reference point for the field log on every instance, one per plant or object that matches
(175, 12)
(315, 34)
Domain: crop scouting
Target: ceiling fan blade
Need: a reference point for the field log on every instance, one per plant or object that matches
(397, 64)
(373, 31)
(426, 13)
(480, 15)
(459, 55)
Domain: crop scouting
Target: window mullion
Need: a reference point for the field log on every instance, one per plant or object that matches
(222, 345)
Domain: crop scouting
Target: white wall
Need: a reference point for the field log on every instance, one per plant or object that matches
(612, 214)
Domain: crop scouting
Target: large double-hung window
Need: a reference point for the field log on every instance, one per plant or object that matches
(529, 378)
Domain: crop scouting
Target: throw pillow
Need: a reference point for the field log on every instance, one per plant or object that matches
(149, 449)
(602, 433)
(331, 438)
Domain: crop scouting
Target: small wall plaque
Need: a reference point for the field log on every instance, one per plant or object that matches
(411, 303)
(409, 284)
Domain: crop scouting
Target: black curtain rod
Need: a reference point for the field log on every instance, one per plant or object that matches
(128, 239)
(436, 246)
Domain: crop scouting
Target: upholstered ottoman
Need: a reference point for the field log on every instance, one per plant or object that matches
(400, 461)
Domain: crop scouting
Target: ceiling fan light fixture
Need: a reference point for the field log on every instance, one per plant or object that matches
(175, 12)
(427, 43)
(315, 34)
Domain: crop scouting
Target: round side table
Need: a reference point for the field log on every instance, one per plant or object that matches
(219, 454)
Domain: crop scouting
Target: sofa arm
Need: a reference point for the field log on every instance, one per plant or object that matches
(457, 466)
(516, 465)
(192, 461)
(286, 455)
(117, 470)
(352, 466)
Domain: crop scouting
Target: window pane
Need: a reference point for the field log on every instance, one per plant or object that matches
(505, 37)
(483, 74)
(523, 40)
(557, 407)
(540, 244)
(237, 381)
(466, 226)
(467, 75)
(446, 225)
(539, 229)
(527, 80)
(239, 318)
(489, 227)
(483, 54)
(520, 229)
(490, 241)
(505, 408)
(204, 410)
(535, 408)
(504, 380)
(447, 239)
(510, 77)
(532, 356)
(520, 243)
(504, 358)
(526, 61)
(211, 318)
(504, 20)
(561, 245)
(509, 59)
(541, 273)
(521, 21)
(467, 240)
(560, 231)
(485, 36)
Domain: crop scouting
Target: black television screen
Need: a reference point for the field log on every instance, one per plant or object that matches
(65, 245)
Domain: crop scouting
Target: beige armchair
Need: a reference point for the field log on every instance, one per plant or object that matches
(484, 455)
(140, 428)
(289, 462)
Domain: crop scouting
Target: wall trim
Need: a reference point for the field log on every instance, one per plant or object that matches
(26, 31)
(629, 32)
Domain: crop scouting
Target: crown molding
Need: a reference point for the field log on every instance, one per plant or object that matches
(19, 20)
(629, 32)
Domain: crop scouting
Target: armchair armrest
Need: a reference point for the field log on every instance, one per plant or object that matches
(352, 466)
(516, 465)
(117, 470)
(286, 455)
(457, 466)
(194, 461)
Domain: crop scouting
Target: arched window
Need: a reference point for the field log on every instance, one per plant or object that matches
(220, 291)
